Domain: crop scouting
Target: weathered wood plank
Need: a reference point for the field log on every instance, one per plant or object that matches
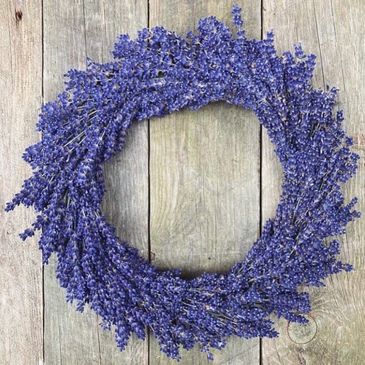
(70, 337)
(21, 329)
(72, 31)
(126, 200)
(334, 31)
(204, 180)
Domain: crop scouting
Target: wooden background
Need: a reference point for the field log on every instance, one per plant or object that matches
(190, 190)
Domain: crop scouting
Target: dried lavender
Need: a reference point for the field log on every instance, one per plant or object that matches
(156, 74)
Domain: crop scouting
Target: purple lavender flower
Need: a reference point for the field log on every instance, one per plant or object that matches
(157, 74)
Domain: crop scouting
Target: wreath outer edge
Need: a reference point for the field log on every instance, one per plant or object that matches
(157, 74)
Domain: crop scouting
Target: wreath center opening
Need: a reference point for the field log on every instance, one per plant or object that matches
(186, 188)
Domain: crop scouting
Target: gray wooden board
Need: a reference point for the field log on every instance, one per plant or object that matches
(331, 30)
(204, 180)
(21, 309)
(72, 31)
(196, 175)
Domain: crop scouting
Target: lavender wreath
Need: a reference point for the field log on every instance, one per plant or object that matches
(156, 74)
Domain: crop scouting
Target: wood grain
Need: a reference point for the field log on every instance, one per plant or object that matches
(331, 30)
(72, 31)
(20, 264)
(204, 180)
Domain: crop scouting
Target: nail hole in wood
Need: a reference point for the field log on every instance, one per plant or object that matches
(18, 15)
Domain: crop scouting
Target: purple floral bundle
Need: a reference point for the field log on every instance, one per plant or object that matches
(156, 74)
